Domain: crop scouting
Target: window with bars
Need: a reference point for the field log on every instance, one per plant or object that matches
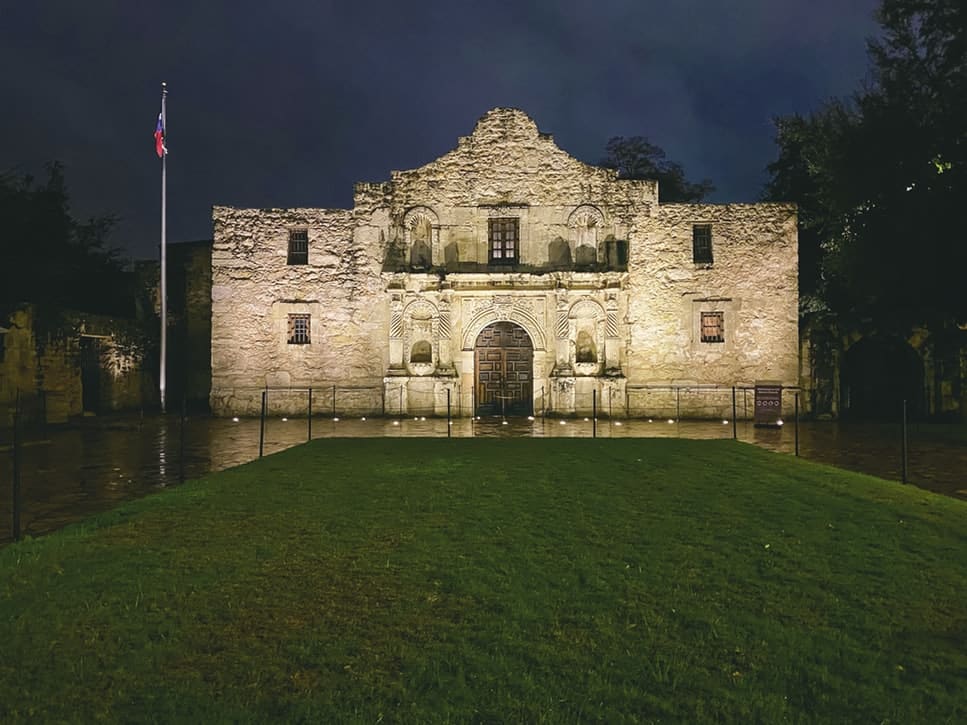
(298, 333)
(713, 327)
(702, 243)
(298, 246)
(503, 235)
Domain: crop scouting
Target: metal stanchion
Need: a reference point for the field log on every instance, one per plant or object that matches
(594, 413)
(265, 394)
(904, 446)
(309, 416)
(449, 421)
(16, 469)
(181, 440)
(334, 402)
(797, 423)
(735, 432)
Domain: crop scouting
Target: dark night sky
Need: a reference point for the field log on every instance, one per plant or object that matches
(289, 103)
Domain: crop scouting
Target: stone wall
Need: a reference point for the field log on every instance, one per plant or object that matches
(603, 282)
(254, 290)
(42, 366)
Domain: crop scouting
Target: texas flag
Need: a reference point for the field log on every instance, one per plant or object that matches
(159, 137)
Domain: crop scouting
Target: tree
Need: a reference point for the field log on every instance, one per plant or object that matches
(50, 258)
(638, 158)
(880, 179)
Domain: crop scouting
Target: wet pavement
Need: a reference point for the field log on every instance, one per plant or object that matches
(70, 473)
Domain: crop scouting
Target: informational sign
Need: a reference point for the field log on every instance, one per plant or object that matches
(768, 404)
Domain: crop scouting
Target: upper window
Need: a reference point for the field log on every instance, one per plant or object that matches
(298, 246)
(702, 243)
(503, 236)
(713, 327)
(298, 333)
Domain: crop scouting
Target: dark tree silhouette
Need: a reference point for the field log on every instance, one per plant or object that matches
(637, 158)
(881, 179)
(51, 259)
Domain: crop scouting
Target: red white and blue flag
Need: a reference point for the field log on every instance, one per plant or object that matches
(159, 137)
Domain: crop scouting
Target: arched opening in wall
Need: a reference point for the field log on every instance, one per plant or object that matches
(585, 351)
(503, 363)
(421, 252)
(421, 352)
(876, 376)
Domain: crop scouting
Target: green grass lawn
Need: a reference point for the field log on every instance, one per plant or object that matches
(498, 580)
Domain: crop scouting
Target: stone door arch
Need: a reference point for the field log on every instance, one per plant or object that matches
(503, 370)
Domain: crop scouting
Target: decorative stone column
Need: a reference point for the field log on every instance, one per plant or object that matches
(445, 344)
(612, 343)
(396, 366)
(562, 347)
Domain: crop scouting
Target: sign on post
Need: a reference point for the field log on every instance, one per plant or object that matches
(768, 404)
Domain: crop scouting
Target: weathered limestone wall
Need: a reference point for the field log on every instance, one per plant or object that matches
(752, 280)
(43, 367)
(507, 168)
(604, 284)
(254, 290)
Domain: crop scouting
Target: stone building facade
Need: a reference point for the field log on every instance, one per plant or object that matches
(63, 364)
(505, 276)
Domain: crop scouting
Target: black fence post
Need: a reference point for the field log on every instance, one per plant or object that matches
(594, 413)
(181, 440)
(797, 423)
(678, 404)
(735, 428)
(903, 430)
(309, 416)
(16, 469)
(333, 402)
(449, 421)
(262, 424)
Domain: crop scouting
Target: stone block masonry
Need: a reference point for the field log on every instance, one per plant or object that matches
(510, 276)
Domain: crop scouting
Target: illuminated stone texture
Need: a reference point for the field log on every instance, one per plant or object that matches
(603, 282)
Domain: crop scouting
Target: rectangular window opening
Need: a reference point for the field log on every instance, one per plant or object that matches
(298, 333)
(702, 243)
(298, 246)
(713, 327)
(503, 235)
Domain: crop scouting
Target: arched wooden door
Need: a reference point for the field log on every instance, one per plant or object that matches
(503, 359)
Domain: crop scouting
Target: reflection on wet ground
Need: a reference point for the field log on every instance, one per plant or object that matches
(71, 473)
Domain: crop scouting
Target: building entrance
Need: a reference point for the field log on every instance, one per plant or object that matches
(503, 363)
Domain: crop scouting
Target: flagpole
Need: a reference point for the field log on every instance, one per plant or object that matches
(164, 267)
